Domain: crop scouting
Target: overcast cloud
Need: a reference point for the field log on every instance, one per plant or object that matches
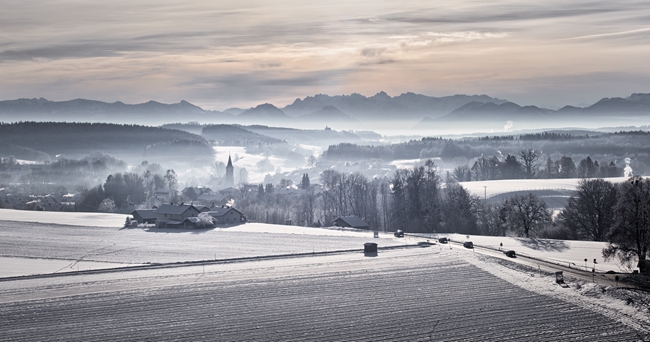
(242, 53)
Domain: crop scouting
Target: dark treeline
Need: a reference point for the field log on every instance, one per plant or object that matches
(552, 136)
(616, 213)
(234, 135)
(123, 192)
(536, 136)
(83, 138)
(614, 145)
(339, 194)
(63, 175)
(414, 200)
(527, 164)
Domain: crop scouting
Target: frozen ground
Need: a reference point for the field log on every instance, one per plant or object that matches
(54, 217)
(94, 237)
(48, 246)
(416, 294)
(12, 266)
(496, 187)
(437, 293)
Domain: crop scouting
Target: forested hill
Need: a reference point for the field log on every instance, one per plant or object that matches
(621, 144)
(235, 136)
(83, 138)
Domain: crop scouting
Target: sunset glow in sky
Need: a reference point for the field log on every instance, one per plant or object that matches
(221, 54)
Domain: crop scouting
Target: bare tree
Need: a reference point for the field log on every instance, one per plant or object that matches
(529, 157)
(527, 214)
(306, 207)
(589, 213)
(629, 238)
(493, 220)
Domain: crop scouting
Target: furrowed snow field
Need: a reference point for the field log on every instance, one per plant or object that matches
(419, 294)
(438, 293)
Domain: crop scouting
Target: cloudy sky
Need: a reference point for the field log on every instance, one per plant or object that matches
(220, 54)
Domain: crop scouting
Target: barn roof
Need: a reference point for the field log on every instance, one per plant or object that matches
(220, 211)
(354, 221)
(146, 214)
(174, 209)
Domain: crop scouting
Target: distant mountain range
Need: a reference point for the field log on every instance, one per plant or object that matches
(384, 107)
(632, 109)
(95, 111)
(345, 111)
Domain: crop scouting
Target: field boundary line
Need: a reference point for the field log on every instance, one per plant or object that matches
(155, 266)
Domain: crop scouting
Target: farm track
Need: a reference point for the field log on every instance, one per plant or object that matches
(392, 299)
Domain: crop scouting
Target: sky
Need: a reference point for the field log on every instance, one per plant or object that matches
(222, 54)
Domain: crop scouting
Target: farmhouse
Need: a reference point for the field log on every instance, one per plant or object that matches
(169, 215)
(226, 215)
(351, 221)
(144, 215)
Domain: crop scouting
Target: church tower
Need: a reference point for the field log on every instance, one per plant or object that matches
(230, 173)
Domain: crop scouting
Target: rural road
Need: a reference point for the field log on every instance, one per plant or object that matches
(540, 264)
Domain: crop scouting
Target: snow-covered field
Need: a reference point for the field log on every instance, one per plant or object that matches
(50, 247)
(438, 293)
(495, 187)
(99, 238)
(54, 217)
(416, 294)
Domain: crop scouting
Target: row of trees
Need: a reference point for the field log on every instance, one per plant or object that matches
(527, 166)
(618, 214)
(121, 192)
(415, 200)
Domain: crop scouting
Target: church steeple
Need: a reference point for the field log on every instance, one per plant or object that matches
(230, 173)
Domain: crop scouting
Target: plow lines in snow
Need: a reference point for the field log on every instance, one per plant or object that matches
(405, 295)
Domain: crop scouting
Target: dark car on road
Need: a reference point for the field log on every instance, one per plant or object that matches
(443, 240)
(468, 244)
(511, 254)
(399, 233)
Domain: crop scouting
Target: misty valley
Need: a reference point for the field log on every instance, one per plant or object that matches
(154, 201)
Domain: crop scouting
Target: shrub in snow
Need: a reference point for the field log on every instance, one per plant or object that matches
(107, 206)
(205, 220)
